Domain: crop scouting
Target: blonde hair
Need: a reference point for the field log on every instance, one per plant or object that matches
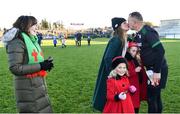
(137, 56)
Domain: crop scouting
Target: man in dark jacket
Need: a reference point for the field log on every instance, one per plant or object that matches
(79, 35)
(40, 37)
(152, 55)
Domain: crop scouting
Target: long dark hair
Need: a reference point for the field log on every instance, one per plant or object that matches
(121, 34)
(23, 23)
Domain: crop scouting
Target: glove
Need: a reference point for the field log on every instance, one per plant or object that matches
(46, 65)
(50, 59)
(132, 89)
(112, 74)
(122, 96)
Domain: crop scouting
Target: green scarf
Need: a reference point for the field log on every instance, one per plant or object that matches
(34, 50)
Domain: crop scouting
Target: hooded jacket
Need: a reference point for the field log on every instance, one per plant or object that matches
(31, 93)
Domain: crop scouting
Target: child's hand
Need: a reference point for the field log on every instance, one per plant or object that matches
(112, 74)
(132, 89)
(138, 69)
(122, 96)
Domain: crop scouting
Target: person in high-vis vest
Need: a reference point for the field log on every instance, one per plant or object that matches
(26, 62)
(153, 58)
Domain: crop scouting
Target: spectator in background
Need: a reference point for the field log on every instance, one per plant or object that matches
(75, 39)
(89, 39)
(54, 39)
(79, 35)
(63, 40)
(40, 37)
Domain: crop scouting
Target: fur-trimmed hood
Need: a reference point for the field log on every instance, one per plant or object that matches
(9, 35)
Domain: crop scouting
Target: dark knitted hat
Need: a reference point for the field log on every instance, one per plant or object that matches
(116, 22)
(117, 60)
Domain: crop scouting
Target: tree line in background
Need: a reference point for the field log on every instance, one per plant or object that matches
(44, 24)
(58, 26)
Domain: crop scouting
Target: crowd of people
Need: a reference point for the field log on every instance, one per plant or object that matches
(131, 71)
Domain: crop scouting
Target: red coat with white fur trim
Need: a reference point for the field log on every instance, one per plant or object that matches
(114, 87)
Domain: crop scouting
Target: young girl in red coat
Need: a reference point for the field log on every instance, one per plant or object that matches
(119, 89)
(137, 75)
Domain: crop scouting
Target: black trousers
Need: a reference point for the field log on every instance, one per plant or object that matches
(89, 41)
(154, 99)
(78, 43)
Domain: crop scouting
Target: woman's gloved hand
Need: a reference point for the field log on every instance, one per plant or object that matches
(47, 64)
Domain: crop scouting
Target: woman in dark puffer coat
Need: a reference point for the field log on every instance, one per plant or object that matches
(26, 62)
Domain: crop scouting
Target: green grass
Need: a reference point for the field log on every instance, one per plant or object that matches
(71, 82)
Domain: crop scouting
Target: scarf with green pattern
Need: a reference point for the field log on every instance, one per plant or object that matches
(35, 54)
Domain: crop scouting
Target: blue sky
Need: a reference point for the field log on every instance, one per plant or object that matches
(93, 13)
